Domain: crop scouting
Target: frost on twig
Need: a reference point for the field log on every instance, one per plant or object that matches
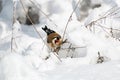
(15, 34)
(15, 28)
(105, 21)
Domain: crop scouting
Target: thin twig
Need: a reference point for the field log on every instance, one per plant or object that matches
(107, 27)
(104, 29)
(108, 13)
(70, 18)
(14, 19)
(93, 22)
(72, 48)
(112, 11)
(57, 56)
(69, 48)
(111, 31)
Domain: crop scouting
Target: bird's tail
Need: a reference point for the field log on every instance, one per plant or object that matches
(47, 30)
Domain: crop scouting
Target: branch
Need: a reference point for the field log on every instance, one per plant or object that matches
(14, 19)
(73, 48)
(109, 13)
(111, 30)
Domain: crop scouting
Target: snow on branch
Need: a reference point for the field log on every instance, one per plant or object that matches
(111, 14)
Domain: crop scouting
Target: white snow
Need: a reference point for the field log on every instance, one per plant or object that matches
(27, 61)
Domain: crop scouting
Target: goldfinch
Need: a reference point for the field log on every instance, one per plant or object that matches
(54, 40)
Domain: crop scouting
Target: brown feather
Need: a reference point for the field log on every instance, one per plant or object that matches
(55, 46)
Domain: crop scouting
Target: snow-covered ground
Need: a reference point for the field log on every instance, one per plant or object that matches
(27, 60)
(15, 66)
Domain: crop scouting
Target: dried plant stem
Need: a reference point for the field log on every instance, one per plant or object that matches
(72, 48)
(70, 18)
(14, 19)
(109, 13)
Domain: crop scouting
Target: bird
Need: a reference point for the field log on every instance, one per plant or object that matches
(54, 39)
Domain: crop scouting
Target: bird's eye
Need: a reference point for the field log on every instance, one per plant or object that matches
(58, 38)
